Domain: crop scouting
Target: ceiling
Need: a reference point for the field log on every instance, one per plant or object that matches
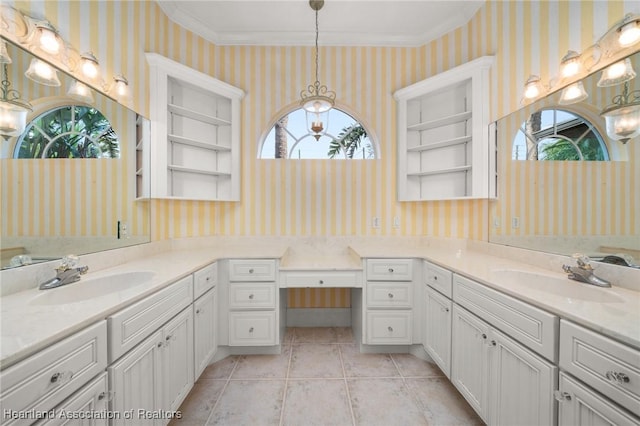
(341, 22)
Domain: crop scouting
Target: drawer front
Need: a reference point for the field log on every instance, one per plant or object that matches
(533, 327)
(252, 296)
(252, 270)
(309, 279)
(204, 280)
(389, 294)
(389, 327)
(252, 328)
(438, 278)
(587, 407)
(389, 269)
(45, 379)
(610, 367)
(133, 324)
(92, 398)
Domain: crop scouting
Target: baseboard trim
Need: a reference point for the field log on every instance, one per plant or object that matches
(318, 317)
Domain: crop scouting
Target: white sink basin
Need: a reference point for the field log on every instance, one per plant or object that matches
(89, 288)
(556, 285)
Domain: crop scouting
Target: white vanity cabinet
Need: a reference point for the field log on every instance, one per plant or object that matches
(88, 406)
(205, 317)
(46, 379)
(606, 366)
(195, 123)
(388, 302)
(437, 312)
(252, 302)
(506, 382)
(444, 150)
(157, 374)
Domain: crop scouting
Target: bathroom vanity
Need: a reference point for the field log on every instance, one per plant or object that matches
(544, 349)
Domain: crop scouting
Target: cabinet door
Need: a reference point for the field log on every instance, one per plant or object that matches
(90, 399)
(522, 384)
(204, 323)
(437, 341)
(580, 405)
(137, 380)
(177, 359)
(469, 360)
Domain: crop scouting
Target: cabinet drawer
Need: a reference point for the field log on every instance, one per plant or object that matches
(252, 296)
(598, 360)
(389, 269)
(252, 328)
(389, 327)
(204, 280)
(438, 278)
(533, 327)
(306, 279)
(252, 270)
(91, 399)
(133, 324)
(389, 294)
(45, 379)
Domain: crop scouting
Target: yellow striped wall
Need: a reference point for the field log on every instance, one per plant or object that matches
(332, 197)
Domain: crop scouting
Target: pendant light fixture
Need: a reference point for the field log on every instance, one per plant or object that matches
(13, 110)
(317, 99)
(622, 117)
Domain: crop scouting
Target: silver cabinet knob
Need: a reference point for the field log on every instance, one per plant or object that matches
(445, 309)
(160, 344)
(251, 330)
(616, 376)
(197, 311)
(208, 279)
(321, 282)
(251, 271)
(390, 295)
(562, 396)
(484, 336)
(391, 270)
(61, 377)
(390, 329)
(435, 278)
(493, 343)
(251, 296)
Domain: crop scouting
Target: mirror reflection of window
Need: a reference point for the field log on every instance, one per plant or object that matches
(69, 131)
(343, 138)
(558, 135)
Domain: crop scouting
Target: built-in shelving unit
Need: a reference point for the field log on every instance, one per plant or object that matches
(143, 135)
(444, 151)
(196, 130)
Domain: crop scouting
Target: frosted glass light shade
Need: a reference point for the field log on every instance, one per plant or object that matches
(43, 73)
(80, 92)
(623, 123)
(532, 88)
(89, 66)
(573, 93)
(617, 73)
(120, 87)
(47, 38)
(13, 119)
(570, 64)
(4, 54)
(629, 34)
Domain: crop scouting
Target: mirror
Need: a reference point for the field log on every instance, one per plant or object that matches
(55, 206)
(567, 207)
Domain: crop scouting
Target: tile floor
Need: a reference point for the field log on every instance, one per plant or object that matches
(321, 378)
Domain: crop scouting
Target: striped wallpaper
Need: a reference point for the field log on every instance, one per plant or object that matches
(326, 198)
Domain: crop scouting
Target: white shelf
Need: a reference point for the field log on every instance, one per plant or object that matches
(441, 144)
(183, 169)
(440, 122)
(441, 171)
(186, 112)
(198, 144)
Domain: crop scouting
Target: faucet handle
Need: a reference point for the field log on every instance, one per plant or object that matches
(583, 261)
(68, 262)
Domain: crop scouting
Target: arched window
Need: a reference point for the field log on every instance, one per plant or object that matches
(69, 131)
(556, 134)
(345, 138)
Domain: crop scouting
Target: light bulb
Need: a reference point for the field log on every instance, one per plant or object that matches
(89, 66)
(43, 73)
(570, 64)
(573, 93)
(120, 87)
(81, 92)
(617, 73)
(48, 38)
(533, 87)
(629, 34)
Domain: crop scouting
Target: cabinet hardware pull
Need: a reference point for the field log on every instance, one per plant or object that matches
(493, 343)
(160, 344)
(61, 377)
(168, 338)
(484, 336)
(251, 271)
(197, 311)
(391, 270)
(562, 396)
(435, 278)
(251, 330)
(321, 282)
(251, 296)
(107, 395)
(446, 309)
(616, 376)
(208, 279)
(390, 295)
(390, 328)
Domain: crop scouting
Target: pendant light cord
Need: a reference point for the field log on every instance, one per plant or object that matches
(317, 79)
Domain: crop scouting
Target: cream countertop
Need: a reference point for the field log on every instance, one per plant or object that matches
(27, 328)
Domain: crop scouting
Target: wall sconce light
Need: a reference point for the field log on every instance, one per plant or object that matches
(89, 66)
(532, 88)
(13, 110)
(120, 88)
(570, 64)
(47, 37)
(622, 117)
(4, 53)
(80, 92)
(617, 73)
(573, 94)
(43, 73)
(629, 31)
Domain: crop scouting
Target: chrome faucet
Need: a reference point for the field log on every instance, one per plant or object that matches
(584, 272)
(66, 273)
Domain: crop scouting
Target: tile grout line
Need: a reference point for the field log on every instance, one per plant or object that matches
(346, 385)
(213, 409)
(413, 394)
(286, 380)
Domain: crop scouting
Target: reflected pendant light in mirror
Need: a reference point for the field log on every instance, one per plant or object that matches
(13, 109)
(622, 117)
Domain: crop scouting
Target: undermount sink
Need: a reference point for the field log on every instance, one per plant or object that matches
(556, 285)
(89, 288)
